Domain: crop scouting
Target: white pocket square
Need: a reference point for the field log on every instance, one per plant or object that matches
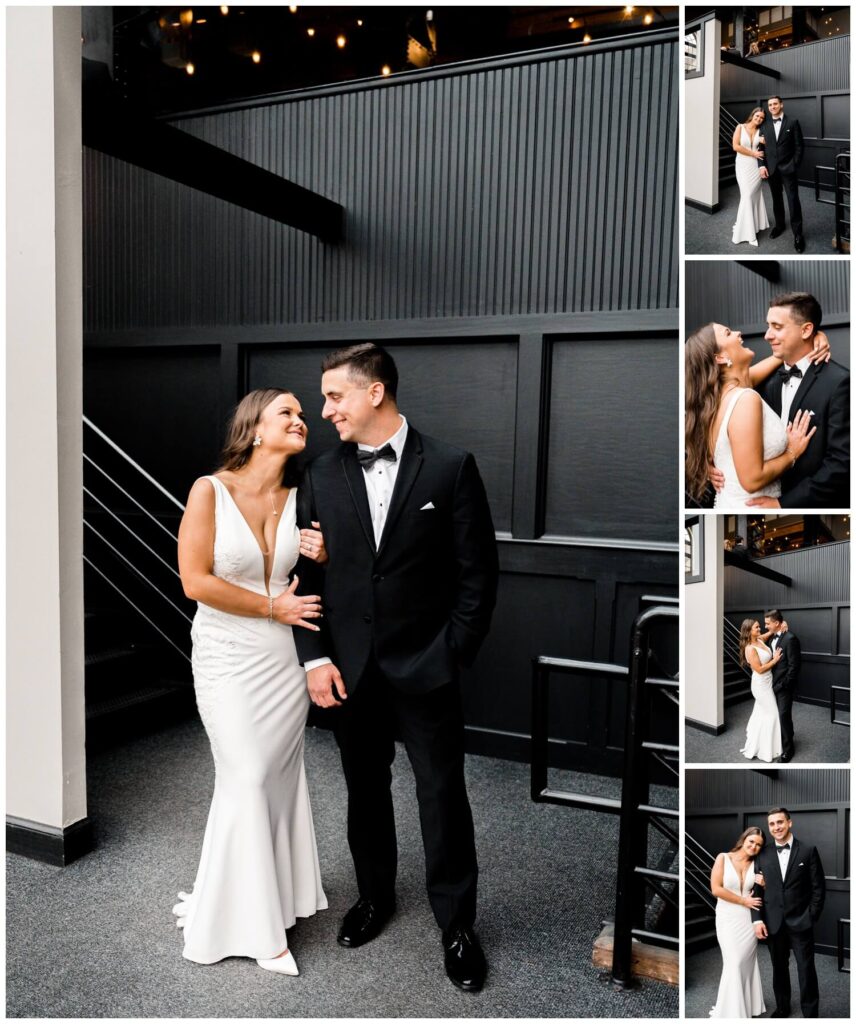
(425, 507)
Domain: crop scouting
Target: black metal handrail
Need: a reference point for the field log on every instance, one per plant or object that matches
(698, 861)
(634, 808)
(842, 921)
(840, 187)
(833, 705)
(637, 813)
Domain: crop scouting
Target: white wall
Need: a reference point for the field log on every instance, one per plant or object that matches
(702, 632)
(701, 124)
(45, 758)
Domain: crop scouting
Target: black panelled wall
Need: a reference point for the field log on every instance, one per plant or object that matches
(720, 804)
(815, 89)
(510, 236)
(816, 606)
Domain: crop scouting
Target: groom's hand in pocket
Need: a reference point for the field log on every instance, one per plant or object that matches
(760, 930)
(326, 686)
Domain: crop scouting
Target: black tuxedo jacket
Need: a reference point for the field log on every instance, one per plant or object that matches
(821, 477)
(795, 901)
(786, 673)
(785, 153)
(422, 600)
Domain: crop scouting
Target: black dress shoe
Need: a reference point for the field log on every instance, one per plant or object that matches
(465, 962)
(785, 758)
(776, 232)
(780, 1013)
(363, 922)
(799, 243)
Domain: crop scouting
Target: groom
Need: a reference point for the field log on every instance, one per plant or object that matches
(408, 593)
(793, 894)
(786, 674)
(783, 152)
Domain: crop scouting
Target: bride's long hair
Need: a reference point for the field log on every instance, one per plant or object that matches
(703, 392)
(745, 638)
(753, 830)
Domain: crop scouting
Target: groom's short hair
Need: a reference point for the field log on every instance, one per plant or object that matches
(779, 98)
(366, 363)
(779, 810)
(774, 614)
(804, 307)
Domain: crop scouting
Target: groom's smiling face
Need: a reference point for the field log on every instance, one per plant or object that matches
(780, 826)
(788, 339)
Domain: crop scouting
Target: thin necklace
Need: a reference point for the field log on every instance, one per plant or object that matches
(272, 505)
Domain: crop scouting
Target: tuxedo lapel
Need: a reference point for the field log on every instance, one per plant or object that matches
(356, 478)
(408, 470)
(807, 383)
(792, 862)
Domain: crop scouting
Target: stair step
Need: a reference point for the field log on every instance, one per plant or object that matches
(112, 654)
(132, 697)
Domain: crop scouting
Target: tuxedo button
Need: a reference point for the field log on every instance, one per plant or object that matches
(367, 618)
(376, 578)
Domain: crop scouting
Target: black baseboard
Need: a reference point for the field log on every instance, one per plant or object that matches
(704, 207)
(711, 730)
(51, 845)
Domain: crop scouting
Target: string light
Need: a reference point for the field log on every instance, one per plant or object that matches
(586, 38)
(629, 10)
(360, 22)
(257, 57)
(648, 19)
(310, 32)
(190, 69)
(224, 9)
(293, 10)
(386, 70)
(186, 18)
(340, 42)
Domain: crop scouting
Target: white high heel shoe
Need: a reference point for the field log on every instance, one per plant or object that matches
(281, 965)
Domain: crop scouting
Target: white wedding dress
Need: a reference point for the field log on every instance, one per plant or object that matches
(740, 994)
(258, 870)
(752, 213)
(764, 729)
(733, 496)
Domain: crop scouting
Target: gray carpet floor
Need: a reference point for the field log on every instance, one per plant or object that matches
(702, 983)
(710, 233)
(816, 739)
(97, 939)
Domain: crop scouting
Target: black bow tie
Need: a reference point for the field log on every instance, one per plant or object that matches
(786, 375)
(368, 459)
(777, 120)
(787, 846)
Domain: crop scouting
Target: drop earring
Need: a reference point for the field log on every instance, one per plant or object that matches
(727, 363)
(257, 440)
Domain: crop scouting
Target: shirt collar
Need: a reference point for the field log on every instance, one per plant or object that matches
(397, 440)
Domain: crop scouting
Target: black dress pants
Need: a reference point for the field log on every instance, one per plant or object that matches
(785, 702)
(431, 726)
(789, 184)
(802, 944)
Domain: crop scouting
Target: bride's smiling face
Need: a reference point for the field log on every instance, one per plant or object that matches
(756, 631)
(758, 118)
(730, 346)
(752, 845)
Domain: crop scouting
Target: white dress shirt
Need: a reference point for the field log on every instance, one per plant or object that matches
(380, 481)
(785, 857)
(777, 126)
(790, 388)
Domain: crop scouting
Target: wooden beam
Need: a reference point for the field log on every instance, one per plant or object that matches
(647, 961)
(750, 65)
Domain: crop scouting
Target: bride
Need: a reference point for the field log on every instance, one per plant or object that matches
(238, 542)
(729, 426)
(764, 728)
(752, 213)
(732, 882)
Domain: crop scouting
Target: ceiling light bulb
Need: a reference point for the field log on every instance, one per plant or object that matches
(257, 57)
(586, 38)
(224, 9)
(340, 42)
(648, 19)
(386, 70)
(310, 31)
(190, 69)
(186, 17)
(293, 10)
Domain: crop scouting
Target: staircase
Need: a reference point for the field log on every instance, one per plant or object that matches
(699, 901)
(727, 124)
(736, 678)
(137, 620)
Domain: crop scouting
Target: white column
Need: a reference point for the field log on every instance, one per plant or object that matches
(701, 124)
(45, 726)
(704, 607)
